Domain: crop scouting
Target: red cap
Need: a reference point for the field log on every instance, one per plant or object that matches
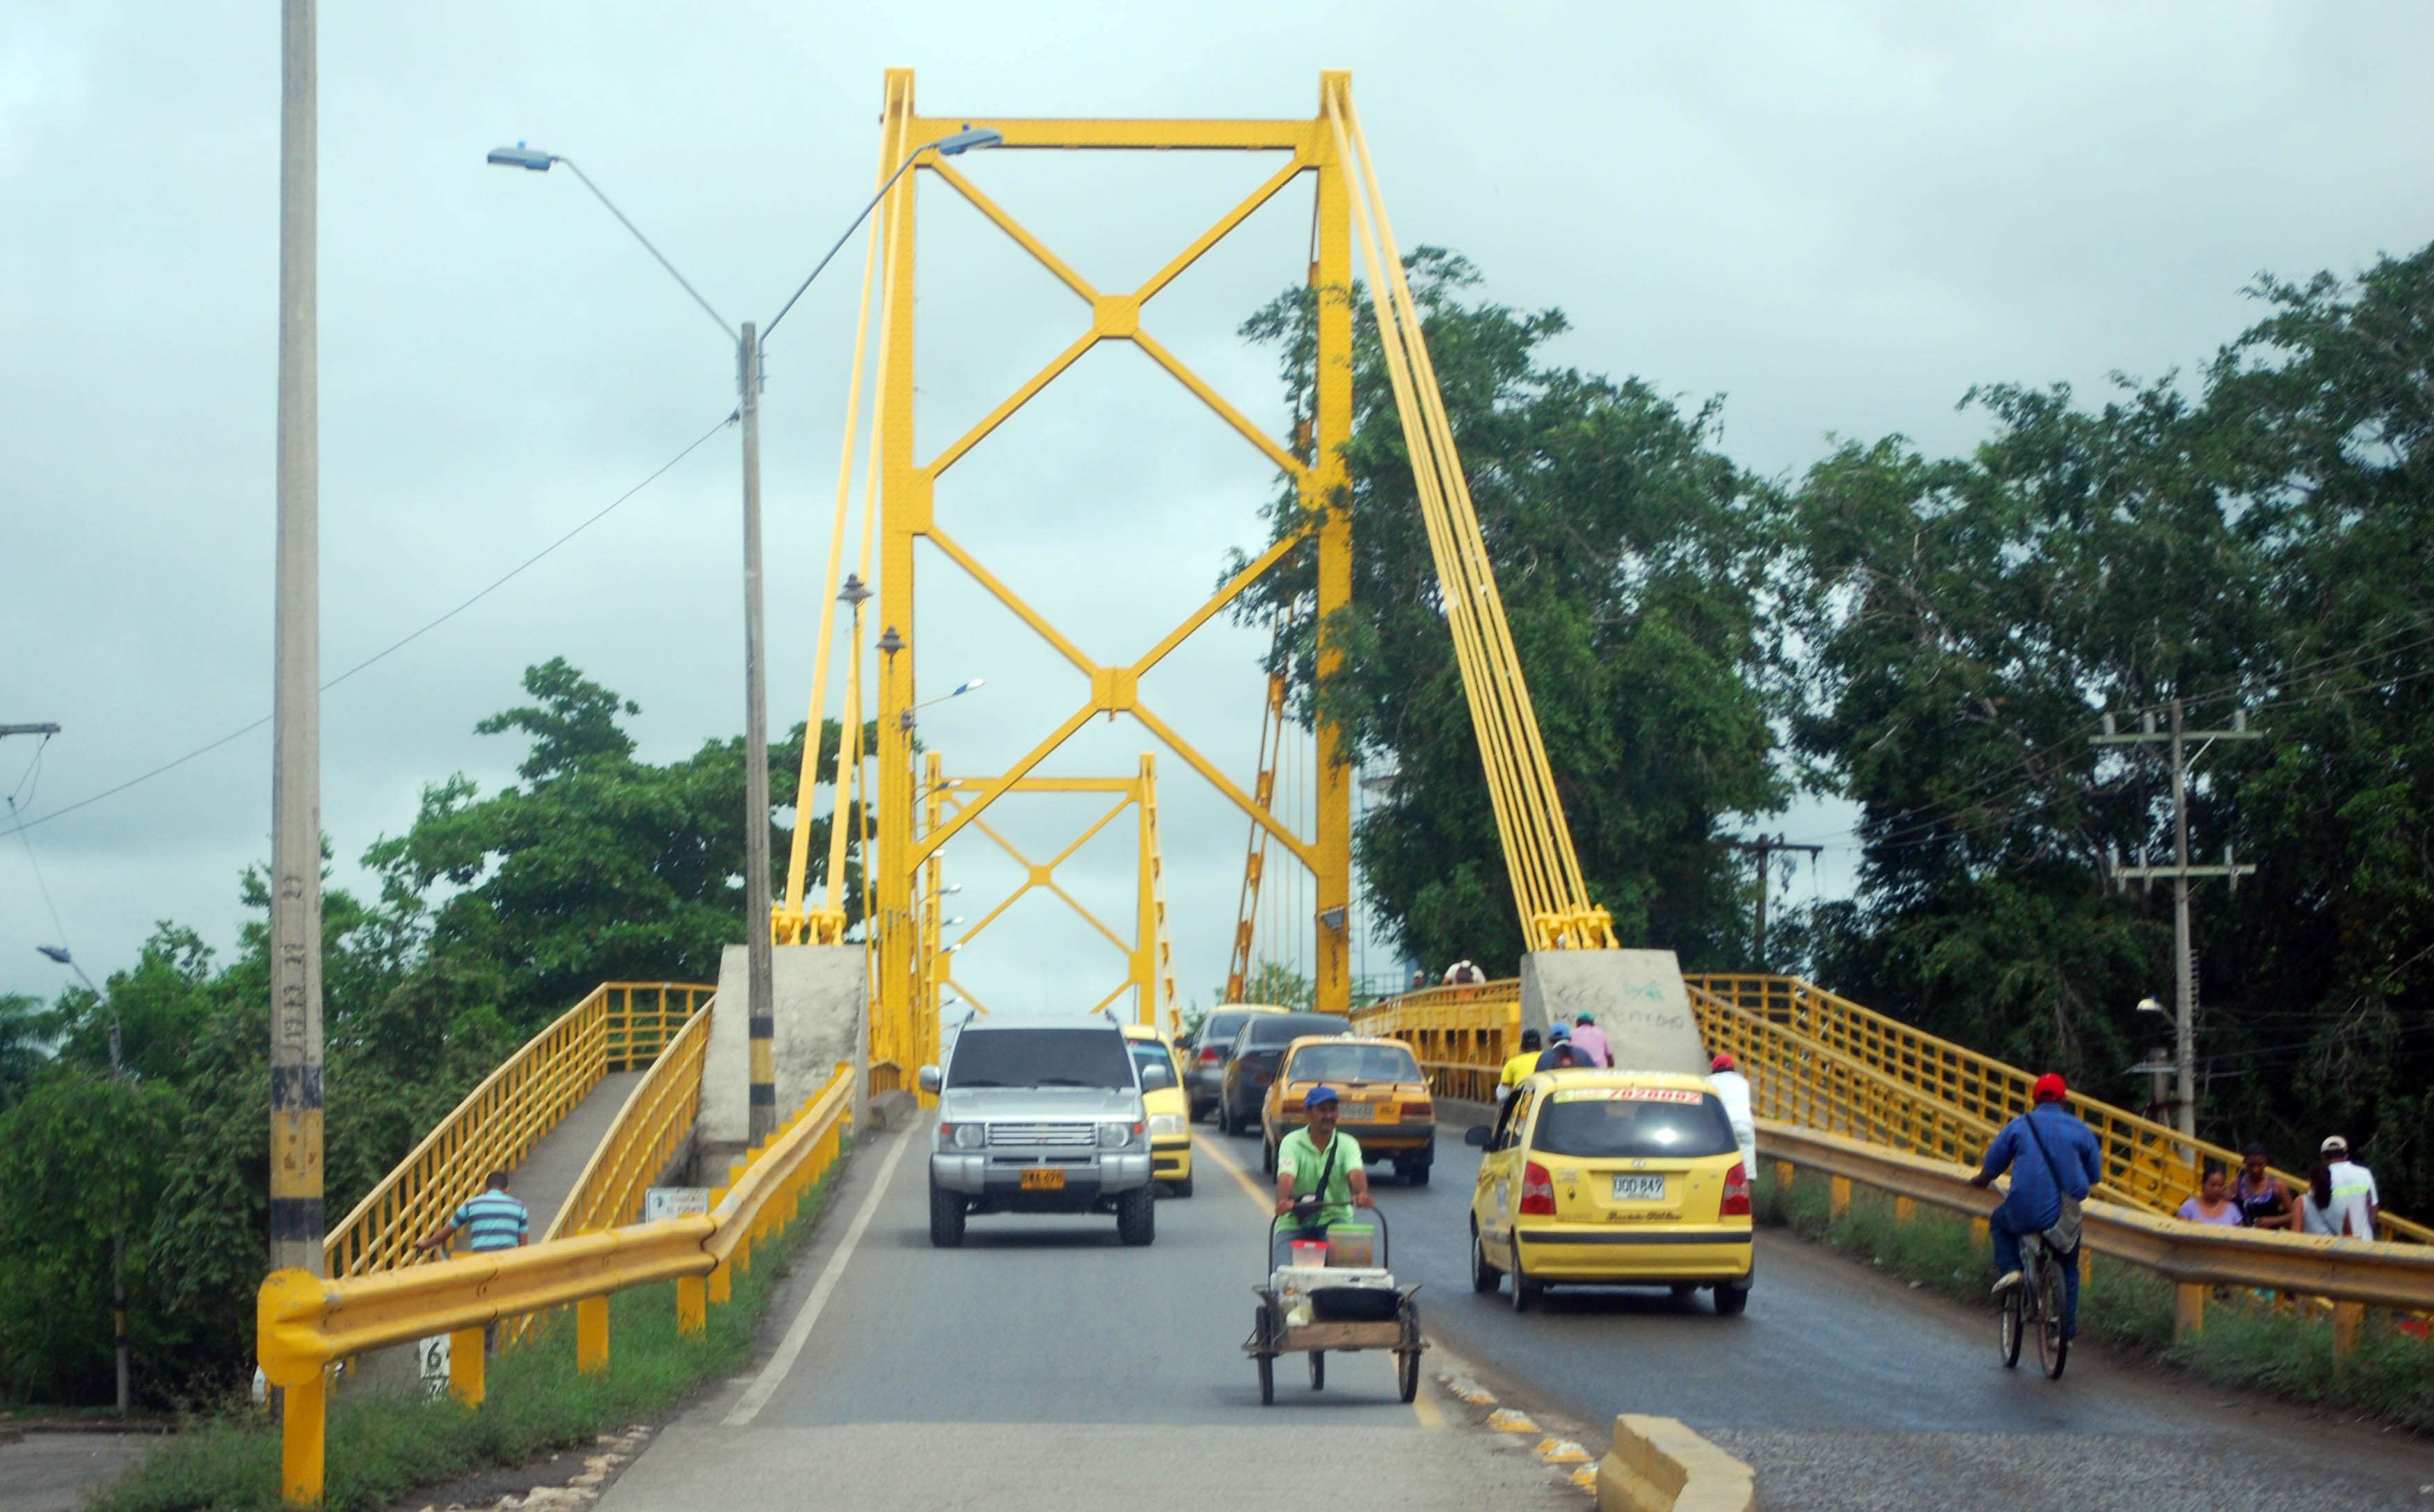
(2049, 1089)
(1720, 1063)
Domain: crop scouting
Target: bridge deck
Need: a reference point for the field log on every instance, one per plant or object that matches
(547, 1177)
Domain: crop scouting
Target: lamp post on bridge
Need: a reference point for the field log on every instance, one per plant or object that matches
(757, 940)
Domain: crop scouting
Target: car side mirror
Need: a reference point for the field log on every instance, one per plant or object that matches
(929, 1079)
(1477, 1137)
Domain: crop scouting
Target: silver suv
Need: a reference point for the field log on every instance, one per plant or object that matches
(1040, 1116)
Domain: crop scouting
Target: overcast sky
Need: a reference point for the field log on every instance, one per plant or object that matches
(1839, 217)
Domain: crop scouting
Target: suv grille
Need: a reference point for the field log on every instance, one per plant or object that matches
(1079, 1135)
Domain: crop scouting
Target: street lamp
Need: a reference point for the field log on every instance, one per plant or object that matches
(758, 928)
(905, 716)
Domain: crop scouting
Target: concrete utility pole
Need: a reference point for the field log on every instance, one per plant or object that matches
(2185, 987)
(296, 1218)
(7, 731)
(760, 1005)
(1765, 846)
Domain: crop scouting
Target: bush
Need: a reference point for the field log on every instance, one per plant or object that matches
(382, 1446)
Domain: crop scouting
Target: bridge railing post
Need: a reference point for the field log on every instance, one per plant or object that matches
(468, 1357)
(301, 1442)
(591, 1335)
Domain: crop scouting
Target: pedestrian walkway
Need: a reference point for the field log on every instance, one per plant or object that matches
(547, 1177)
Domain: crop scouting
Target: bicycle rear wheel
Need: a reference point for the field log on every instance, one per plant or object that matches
(2053, 1346)
(2008, 1325)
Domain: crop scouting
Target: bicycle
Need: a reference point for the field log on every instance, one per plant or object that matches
(2036, 1304)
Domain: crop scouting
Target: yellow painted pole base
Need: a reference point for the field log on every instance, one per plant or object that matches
(467, 1366)
(2189, 1309)
(720, 1287)
(1838, 1200)
(693, 1305)
(591, 1335)
(2347, 1317)
(302, 1445)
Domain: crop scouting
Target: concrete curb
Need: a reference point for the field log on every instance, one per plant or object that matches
(1657, 1464)
(893, 1109)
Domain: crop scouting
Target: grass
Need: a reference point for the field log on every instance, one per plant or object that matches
(2389, 1375)
(382, 1446)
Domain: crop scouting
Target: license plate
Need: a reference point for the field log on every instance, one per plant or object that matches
(1358, 1112)
(1639, 1189)
(1049, 1178)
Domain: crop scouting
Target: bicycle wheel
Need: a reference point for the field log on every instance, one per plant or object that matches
(2008, 1325)
(2053, 1346)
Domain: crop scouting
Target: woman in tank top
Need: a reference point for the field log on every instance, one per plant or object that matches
(2264, 1201)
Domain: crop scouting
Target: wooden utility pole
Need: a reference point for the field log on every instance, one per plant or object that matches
(2185, 975)
(1764, 847)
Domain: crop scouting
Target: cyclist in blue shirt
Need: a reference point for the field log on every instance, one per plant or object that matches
(2050, 1155)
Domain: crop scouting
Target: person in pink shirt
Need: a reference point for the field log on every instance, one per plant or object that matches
(1588, 1041)
(2213, 1202)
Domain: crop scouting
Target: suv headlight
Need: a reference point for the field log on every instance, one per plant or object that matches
(1165, 1126)
(1115, 1136)
(970, 1136)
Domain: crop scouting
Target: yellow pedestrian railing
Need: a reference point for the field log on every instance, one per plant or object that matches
(2352, 1274)
(2152, 1165)
(649, 1131)
(619, 1027)
(1462, 1036)
(305, 1323)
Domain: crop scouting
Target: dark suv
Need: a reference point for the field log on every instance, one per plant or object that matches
(1205, 1052)
(1252, 1064)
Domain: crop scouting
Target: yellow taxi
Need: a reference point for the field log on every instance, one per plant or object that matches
(1169, 1113)
(1382, 1100)
(1611, 1178)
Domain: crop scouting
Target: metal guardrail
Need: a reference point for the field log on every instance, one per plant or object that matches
(2150, 1164)
(658, 1115)
(304, 1323)
(620, 1025)
(1459, 1034)
(2354, 1273)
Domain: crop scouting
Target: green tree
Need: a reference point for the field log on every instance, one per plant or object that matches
(27, 1031)
(1632, 558)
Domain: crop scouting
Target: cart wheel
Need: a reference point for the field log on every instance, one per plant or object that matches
(1407, 1372)
(1317, 1370)
(1267, 1380)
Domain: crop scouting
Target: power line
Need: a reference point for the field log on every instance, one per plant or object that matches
(398, 644)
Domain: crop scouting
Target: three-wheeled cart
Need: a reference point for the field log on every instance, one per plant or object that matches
(1365, 1318)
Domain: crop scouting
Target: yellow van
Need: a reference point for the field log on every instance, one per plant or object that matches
(1612, 1178)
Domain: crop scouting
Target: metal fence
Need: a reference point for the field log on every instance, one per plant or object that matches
(619, 1027)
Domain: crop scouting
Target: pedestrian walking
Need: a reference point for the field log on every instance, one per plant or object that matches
(2354, 1200)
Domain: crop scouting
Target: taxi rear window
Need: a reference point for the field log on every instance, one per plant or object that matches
(1594, 1122)
(1354, 1063)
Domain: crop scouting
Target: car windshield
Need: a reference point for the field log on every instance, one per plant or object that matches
(1220, 1028)
(1354, 1063)
(1040, 1058)
(1270, 1030)
(1633, 1121)
(1150, 1058)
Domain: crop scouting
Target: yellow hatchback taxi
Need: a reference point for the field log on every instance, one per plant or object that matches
(1611, 1178)
(1169, 1112)
(1381, 1100)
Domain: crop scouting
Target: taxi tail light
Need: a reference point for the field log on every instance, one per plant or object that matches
(1537, 1191)
(1737, 1203)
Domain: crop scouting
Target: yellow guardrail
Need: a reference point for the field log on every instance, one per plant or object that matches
(658, 1115)
(2354, 1273)
(1460, 1035)
(2152, 1165)
(620, 1025)
(305, 1323)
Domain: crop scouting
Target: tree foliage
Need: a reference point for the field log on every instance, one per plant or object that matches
(1632, 557)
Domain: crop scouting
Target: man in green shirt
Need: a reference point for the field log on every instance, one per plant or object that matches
(1316, 1161)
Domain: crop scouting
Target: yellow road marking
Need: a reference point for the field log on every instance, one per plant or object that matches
(1423, 1406)
(1264, 1201)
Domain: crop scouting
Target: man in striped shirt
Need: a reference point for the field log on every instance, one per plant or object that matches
(494, 1220)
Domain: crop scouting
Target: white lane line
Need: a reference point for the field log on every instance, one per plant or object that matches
(799, 1332)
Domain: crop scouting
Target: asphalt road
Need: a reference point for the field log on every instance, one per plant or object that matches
(1847, 1389)
(1044, 1364)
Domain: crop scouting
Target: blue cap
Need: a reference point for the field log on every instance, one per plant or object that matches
(1317, 1095)
(1560, 1032)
